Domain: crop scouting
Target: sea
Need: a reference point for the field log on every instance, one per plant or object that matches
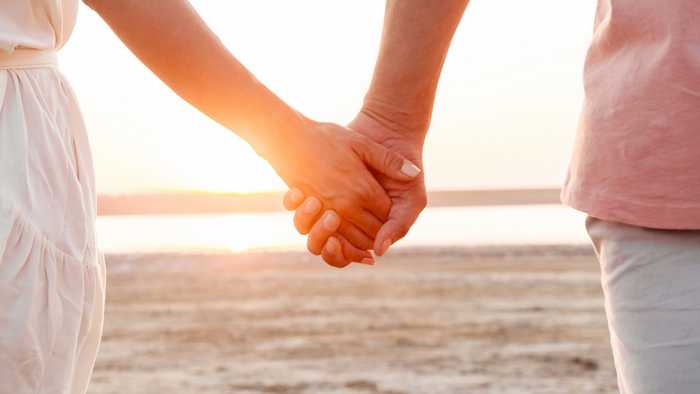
(521, 225)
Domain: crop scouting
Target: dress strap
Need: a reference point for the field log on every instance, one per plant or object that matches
(27, 58)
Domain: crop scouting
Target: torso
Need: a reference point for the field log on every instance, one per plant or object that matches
(636, 153)
(36, 24)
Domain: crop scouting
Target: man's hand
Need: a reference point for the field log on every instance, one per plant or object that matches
(408, 199)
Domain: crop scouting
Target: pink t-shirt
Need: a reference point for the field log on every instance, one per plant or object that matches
(637, 153)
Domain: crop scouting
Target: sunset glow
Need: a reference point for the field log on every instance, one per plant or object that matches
(505, 114)
(222, 164)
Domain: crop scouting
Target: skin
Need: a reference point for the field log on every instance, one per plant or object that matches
(396, 113)
(175, 43)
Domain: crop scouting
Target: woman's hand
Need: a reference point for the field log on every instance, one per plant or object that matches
(330, 162)
(328, 235)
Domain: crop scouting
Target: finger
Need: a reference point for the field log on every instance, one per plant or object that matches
(355, 236)
(293, 198)
(354, 254)
(321, 231)
(327, 226)
(378, 202)
(388, 162)
(392, 231)
(332, 254)
(306, 215)
(364, 220)
(401, 219)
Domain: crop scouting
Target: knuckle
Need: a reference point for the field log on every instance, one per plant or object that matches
(383, 203)
(344, 205)
(314, 202)
(356, 141)
(372, 190)
(332, 199)
(355, 236)
(356, 138)
(392, 160)
(326, 195)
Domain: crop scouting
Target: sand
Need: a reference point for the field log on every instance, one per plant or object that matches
(421, 321)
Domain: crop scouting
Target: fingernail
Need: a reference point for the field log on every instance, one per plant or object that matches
(367, 261)
(410, 169)
(330, 221)
(311, 205)
(385, 246)
(331, 246)
(296, 195)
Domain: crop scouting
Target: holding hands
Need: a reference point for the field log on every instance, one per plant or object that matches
(336, 238)
(345, 173)
(396, 115)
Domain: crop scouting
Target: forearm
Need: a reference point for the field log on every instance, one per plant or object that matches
(415, 40)
(174, 42)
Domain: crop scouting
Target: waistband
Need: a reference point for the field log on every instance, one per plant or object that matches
(27, 58)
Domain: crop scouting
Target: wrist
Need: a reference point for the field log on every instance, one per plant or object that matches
(386, 129)
(283, 129)
(410, 121)
(408, 143)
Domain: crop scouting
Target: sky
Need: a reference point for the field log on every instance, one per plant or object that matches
(505, 114)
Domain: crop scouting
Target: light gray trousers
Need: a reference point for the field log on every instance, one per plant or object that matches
(651, 282)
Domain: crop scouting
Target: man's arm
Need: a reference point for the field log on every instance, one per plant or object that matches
(415, 40)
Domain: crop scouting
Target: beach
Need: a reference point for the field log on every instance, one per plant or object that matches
(422, 320)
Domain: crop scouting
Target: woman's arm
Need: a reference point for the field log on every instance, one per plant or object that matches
(172, 40)
(324, 160)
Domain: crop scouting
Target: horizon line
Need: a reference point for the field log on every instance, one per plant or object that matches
(201, 202)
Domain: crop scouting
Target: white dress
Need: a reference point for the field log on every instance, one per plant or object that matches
(51, 273)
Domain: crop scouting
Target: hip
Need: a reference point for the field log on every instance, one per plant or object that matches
(46, 169)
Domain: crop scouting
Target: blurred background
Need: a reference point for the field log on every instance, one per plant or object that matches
(505, 118)
(495, 289)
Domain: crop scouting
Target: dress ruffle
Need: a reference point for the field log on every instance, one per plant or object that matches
(48, 303)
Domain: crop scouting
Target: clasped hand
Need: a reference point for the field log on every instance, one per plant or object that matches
(354, 189)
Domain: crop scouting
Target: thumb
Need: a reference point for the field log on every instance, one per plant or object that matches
(400, 221)
(387, 162)
(391, 231)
